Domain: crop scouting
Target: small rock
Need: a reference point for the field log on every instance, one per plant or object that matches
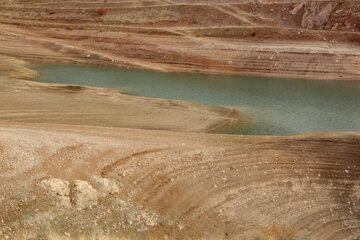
(180, 226)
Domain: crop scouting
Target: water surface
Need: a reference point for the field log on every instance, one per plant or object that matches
(275, 106)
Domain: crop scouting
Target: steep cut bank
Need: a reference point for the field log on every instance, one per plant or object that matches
(303, 39)
(70, 182)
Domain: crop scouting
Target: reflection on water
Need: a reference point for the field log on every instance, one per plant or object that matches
(276, 106)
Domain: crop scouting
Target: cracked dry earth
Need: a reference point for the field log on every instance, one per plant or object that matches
(77, 182)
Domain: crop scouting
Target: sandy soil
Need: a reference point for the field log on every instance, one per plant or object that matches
(143, 184)
(310, 39)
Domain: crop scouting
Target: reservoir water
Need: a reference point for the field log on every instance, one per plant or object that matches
(274, 106)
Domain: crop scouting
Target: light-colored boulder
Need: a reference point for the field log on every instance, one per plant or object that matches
(58, 189)
(83, 194)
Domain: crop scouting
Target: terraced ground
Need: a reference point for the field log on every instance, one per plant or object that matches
(309, 39)
(166, 185)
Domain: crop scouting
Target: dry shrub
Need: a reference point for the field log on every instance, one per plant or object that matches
(101, 11)
(278, 232)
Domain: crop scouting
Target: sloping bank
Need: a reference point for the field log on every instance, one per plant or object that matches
(32, 102)
(81, 182)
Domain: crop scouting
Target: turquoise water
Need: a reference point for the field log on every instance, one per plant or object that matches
(275, 106)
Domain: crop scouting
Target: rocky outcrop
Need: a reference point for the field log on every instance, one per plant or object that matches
(82, 195)
(316, 15)
(87, 205)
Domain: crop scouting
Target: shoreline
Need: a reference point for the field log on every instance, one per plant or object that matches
(289, 77)
(83, 105)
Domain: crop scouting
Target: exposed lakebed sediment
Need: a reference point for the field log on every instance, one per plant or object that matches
(66, 181)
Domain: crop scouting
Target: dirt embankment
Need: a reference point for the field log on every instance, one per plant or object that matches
(308, 39)
(67, 182)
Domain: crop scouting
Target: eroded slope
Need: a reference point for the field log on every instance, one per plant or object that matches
(111, 183)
